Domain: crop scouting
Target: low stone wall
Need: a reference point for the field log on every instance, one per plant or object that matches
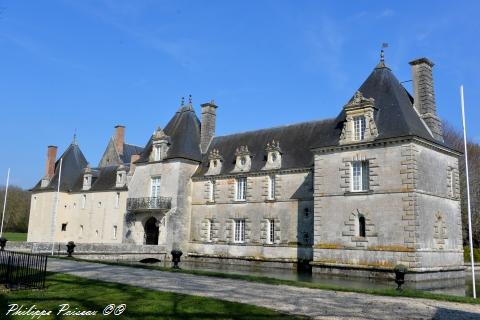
(94, 251)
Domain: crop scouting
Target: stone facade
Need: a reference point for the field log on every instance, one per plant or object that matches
(358, 194)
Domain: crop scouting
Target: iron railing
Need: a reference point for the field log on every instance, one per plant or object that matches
(20, 270)
(149, 203)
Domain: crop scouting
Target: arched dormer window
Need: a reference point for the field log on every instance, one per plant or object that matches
(121, 176)
(160, 145)
(215, 165)
(274, 156)
(243, 160)
(359, 122)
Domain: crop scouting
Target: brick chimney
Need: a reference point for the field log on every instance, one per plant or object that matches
(424, 96)
(209, 115)
(119, 138)
(133, 158)
(51, 157)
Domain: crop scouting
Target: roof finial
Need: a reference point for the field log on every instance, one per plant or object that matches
(382, 52)
(189, 99)
(75, 137)
(183, 101)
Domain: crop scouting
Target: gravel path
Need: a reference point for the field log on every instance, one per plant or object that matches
(315, 303)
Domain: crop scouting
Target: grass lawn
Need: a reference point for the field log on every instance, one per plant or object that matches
(88, 295)
(15, 236)
(381, 292)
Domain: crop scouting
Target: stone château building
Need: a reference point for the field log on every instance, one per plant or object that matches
(374, 187)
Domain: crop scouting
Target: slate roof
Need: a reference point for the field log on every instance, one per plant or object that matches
(72, 169)
(103, 179)
(184, 132)
(128, 151)
(394, 116)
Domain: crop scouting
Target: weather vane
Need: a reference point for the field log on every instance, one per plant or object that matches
(382, 52)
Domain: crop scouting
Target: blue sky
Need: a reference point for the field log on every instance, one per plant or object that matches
(88, 65)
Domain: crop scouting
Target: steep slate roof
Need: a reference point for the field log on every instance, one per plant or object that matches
(72, 168)
(128, 151)
(184, 132)
(295, 142)
(103, 179)
(395, 116)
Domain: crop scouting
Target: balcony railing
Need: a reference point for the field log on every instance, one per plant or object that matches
(149, 203)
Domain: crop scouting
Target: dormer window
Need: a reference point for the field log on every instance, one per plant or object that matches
(359, 122)
(160, 145)
(121, 176)
(87, 178)
(274, 156)
(359, 128)
(243, 160)
(215, 165)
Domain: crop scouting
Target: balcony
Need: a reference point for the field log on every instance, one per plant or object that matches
(149, 204)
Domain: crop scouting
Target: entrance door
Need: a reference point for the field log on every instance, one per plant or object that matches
(151, 231)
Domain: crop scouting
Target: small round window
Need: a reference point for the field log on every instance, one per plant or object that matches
(215, 163)
(243, 161)
(274, 156)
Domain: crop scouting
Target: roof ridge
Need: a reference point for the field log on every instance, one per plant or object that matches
(276, 127)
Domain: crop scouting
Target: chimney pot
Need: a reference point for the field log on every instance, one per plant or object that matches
(119, 138)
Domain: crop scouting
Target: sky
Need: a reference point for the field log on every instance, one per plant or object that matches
(85, 66)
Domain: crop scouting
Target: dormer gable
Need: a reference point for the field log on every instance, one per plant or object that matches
(160, 145)
(215, 163)
(274, 156)
(243, 159)
(359, 125)
(87, 178)
(121, 179)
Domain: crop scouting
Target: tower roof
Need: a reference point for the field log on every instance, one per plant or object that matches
(72, 168)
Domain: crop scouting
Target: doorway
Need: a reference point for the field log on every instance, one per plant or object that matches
(151, 231)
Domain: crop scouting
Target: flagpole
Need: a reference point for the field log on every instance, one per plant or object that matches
(54, 216)
(5, 202)
(468, 194)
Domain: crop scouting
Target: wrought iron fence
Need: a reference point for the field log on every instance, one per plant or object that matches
(20, 270)
(149, 203)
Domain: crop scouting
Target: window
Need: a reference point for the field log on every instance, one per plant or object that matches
(241, 189)
(155, 187)
(99, 204)
(64, 227)
(271, 231)
(81, 229)
(156, 153)
(359, 128)
(271, 187)
(360, 177)
(114, 232)
(361, 226)
(96, 233)
(84, 200)
(34, 205)
(211, 191)
(239, 230)
(117, 200)
(209, 230)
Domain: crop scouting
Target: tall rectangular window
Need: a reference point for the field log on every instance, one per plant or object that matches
(239, 230)
(155, 187)
(359, 125)
(241, 186)
(156, 153)
(84, 201)
(211, 191)
(114, 232)
(271, 187)
(360, 176)
(271, 231)
(117, 200)
(81, 229)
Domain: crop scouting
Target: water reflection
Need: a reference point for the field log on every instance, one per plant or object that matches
(459, 287)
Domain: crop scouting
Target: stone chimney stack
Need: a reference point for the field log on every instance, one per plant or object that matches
(119, 138)
(209, 115)
(424, 96)
(51, 157)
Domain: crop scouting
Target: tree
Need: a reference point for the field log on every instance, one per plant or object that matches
(17, 210)
(454, 138)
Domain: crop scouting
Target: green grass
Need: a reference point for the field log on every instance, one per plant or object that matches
(84, 294)
(476, 254)
(15, 236)
(374, 291)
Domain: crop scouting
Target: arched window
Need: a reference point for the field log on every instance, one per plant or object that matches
(361, 226)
